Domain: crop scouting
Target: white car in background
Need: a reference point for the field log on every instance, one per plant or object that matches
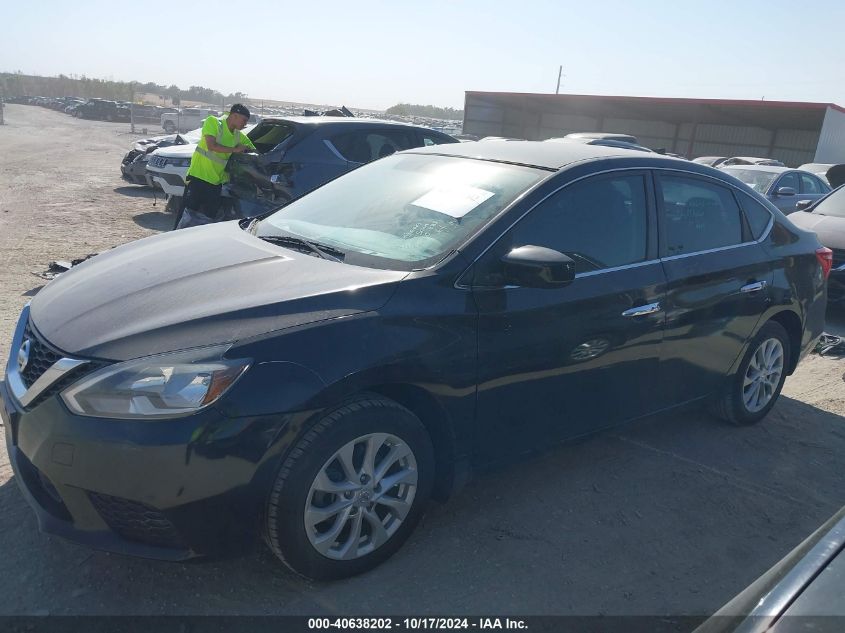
(168, 166)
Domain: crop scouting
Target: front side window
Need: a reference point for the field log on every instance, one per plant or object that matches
(698, 216)
(600, 223)
(788, 180)
(403, 212)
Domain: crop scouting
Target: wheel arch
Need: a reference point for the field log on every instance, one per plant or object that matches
(791, 322)
(436, 421)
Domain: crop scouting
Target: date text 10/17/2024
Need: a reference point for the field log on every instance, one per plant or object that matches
(415, 624)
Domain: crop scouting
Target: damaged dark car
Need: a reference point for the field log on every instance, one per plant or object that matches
(297, 154)
(316, 375)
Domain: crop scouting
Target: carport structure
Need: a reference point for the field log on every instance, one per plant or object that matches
(792, 132)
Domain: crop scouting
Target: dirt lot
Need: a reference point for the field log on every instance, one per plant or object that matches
(672, 515)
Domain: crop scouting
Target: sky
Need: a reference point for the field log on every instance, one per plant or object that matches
(374, 53)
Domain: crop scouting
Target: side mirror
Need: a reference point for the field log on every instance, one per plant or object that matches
(803, 205)
(538, 267)
(786, 191)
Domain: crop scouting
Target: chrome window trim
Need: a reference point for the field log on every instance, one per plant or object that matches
(592, 273)
(707, 251)
(25, 396)
(718, 181)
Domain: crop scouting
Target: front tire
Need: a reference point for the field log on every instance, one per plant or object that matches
(351, 490)
(753, 390)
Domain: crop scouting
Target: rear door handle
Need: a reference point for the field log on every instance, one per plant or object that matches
(649, 308)
(757, 286)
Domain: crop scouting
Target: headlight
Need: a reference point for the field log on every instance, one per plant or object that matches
(163, 386)
(179, 162)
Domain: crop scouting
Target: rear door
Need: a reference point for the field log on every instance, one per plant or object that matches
(562, 362)
(719, 279)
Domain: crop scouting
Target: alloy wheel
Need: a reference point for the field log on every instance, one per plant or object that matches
(361, 496)
(763, 375)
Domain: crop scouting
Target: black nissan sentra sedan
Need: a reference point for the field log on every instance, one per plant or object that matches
(315, 376)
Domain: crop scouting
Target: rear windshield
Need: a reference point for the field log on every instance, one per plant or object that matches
(756, 179)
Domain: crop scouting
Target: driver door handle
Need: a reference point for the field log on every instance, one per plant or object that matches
(649, 308)
(757, 286)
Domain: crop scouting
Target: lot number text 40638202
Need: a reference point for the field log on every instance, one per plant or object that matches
(413, 624)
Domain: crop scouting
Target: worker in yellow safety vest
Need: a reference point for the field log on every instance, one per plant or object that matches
(221, 137)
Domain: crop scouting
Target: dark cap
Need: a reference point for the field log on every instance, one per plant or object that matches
(239, 108)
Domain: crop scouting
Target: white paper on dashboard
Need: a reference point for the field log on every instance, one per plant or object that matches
(453, 201)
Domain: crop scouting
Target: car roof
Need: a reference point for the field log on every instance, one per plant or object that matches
(534, 153)
(336, 120)
(774, 169)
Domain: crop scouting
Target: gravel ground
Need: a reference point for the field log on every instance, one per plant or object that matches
(671, 515)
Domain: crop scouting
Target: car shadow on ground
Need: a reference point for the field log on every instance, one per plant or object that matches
(671, 515)
(155, 220)
(138, 191)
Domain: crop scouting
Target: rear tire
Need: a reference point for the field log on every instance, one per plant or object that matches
(755, 387)
(351, 490)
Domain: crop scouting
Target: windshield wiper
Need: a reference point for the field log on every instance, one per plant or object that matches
(322, 250)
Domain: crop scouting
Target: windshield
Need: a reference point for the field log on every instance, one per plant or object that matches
(404, 211)
(833, 205)
(757, 179)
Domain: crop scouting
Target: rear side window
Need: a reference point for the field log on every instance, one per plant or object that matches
(698, 216)
(435, 138)
(365, 145)
(757, 215)
(811, 184)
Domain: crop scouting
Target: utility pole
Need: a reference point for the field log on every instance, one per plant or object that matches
(559, 75)
(132, 113)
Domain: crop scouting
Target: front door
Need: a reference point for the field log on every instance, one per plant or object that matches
(563, 362)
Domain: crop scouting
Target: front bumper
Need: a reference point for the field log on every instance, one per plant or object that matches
(170, 183)
(169, 489)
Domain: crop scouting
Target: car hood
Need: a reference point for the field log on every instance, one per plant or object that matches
(830, 229)
(176, 151)
(195, 287)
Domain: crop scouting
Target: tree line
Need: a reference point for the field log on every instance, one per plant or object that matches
(17, 84)
(433, 112)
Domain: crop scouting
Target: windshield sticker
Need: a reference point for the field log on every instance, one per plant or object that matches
(453, 201)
